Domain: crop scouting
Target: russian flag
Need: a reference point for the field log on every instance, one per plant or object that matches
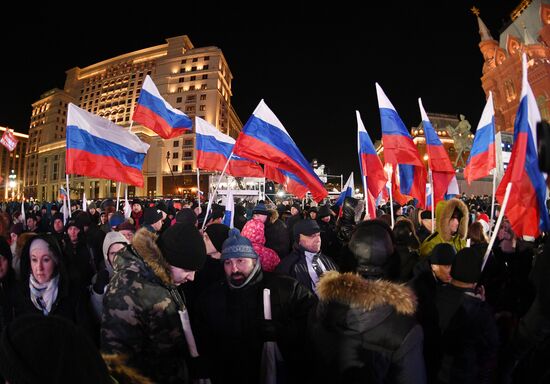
(229, 215)
(290, 182)
(265, 140)
(369, 163)
(482, 155)
(96, 147)
(213, 148)
(155, 113)
(438, 159)
(347, 191)
(400, 149)
(526, 206)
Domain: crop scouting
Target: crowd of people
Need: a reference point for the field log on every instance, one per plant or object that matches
(295, 293)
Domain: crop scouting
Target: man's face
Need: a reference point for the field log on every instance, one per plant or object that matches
(326, 219)
(180, 275)
(311, 243)
(73, 232)
(157, 226)
(136, 208)
(453, 225)
(3, 267)
(31, 223)
(427, 223)
(113, 249)
(238, 270)
(293, 211)
(128, 234)
(58, 225)
(442, 272)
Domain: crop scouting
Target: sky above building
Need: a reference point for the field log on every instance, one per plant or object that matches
(313, 66)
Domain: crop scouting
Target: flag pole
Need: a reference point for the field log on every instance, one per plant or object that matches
(389, 171)
(366, 192)
(497, 226)
(433, 198)
(198, 188)
(68, 195)
(117, 196)
(215, 190)
(493, 201)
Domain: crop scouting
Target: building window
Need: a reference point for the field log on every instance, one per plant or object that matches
(184, 61)
(195, 59)
(202, 108)
(206, 58)
(187, 154)
(204, 86)
(181, 79)
(187, 167)
(174, 168)
(205, 67)
(176, 143)
(188, 142)
(191, 87)
(193, 68)
(193, 78)
(175, 155)
(182, 70)
(203, 97)
(178, 100)
(204, 77)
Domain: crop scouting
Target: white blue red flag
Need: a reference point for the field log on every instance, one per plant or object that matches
(526, 207)
(213, 148)
(265, 139)
(229, 215)
(438, 159)
(347, 191)
(288, 180)
(155, 113)
(399, 149)
(96, 147)
(482, 155)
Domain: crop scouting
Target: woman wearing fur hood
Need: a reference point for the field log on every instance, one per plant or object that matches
(451, 226)
(363, 329)
(141, 326)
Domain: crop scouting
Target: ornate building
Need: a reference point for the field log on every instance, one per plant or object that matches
(12, 164)
(529, 32)
(194, 80)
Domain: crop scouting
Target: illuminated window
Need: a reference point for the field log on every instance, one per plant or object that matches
(175, 155)
(174, 168)
(178, 100)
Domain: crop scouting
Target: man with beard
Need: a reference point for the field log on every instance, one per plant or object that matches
(231, 329)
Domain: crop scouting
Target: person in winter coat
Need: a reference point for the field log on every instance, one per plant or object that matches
(254, 230)
(451, 226)
(276, 234)
(141, 325)
(114, 242)
(364, 330)
(306, 263)
(230, 317)
(469, 332)
(46, 286)
(8, 285)
(351, 215)
(406, 244)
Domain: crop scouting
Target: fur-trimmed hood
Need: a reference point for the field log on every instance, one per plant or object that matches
(124, 374)
(443, 214)
(366, 295)
(145, 246)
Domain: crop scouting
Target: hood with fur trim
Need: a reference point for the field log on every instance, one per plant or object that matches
(145, 245)
(443, 214)
(367, 295)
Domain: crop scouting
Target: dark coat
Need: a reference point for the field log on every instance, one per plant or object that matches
(295, 266)
(140, 313)
(231, 330)
(469, 335)
(9, 293)
(277, 237)
(364, 332)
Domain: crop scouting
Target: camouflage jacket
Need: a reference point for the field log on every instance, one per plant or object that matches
(140, 319)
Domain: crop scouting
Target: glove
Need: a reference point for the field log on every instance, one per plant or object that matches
(268, 330)
(101, 280)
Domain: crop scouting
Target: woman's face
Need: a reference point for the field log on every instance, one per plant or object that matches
(42, 265)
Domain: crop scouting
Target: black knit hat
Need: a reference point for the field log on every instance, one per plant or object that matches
(49, 349)
(324, 211)
(443, 254)
(5, 249)
(217, 233)
(186, 216)
(467, 266)
(426, 215)
(151, 215)
(183, 247)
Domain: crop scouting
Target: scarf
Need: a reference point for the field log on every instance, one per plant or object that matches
(43, 295)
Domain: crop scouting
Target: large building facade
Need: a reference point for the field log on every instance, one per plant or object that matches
(529, 32)
(12, 165)
(195, 80)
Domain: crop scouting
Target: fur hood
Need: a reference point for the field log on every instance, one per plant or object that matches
(145, 245)
(357, 292)
(122, 372)
(443, 213)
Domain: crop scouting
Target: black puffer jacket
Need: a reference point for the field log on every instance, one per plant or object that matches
(364, 332)
(351, 212)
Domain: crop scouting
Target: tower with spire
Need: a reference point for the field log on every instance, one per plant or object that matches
(529, 32)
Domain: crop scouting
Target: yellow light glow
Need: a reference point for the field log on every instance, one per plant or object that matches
(426, 157)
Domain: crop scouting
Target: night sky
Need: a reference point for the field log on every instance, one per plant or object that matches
(313, 66)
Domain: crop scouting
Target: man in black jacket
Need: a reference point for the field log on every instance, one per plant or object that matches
(306, 263)
(231, 329)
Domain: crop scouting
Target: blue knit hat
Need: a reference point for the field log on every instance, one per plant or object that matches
(237, 246)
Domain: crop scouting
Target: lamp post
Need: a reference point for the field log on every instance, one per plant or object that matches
(171, 172)
(12, 183)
